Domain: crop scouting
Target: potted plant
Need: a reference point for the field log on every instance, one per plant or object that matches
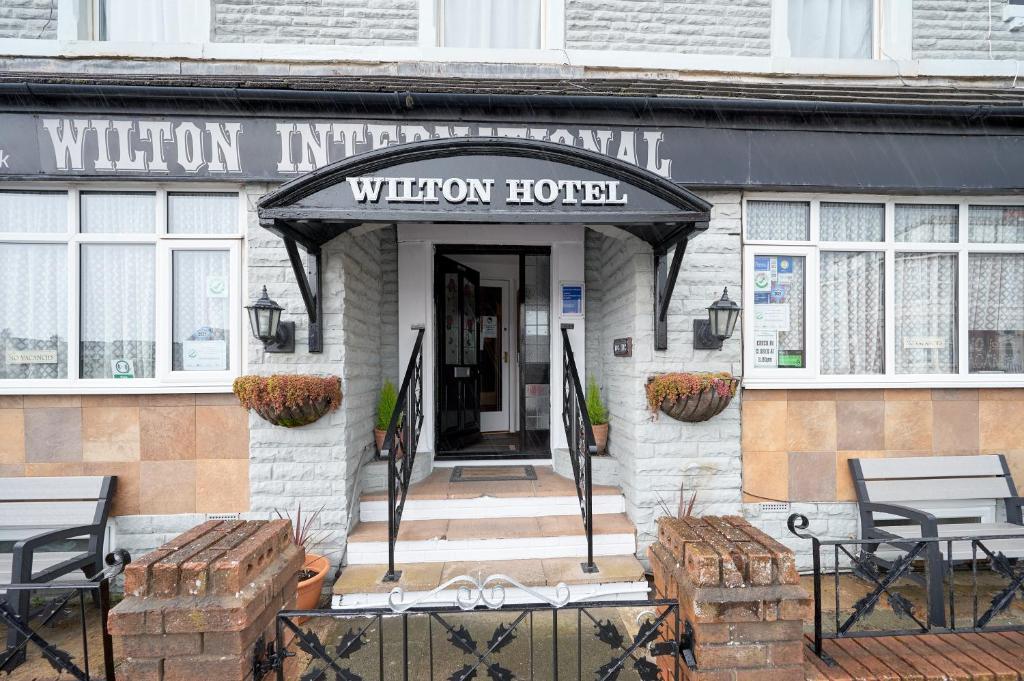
(598, 413)
(289, 400)
(691, 396)
(308, 535)
(386, 402)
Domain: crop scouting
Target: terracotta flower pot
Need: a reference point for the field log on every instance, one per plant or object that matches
(698, 407)
(378, 437)
(308, 596)
(601, 437)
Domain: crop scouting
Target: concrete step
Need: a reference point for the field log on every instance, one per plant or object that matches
(437, 584)
(440, 541)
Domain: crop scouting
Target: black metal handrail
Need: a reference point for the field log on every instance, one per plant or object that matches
(865, 565)
(400, 445)
(579, 434)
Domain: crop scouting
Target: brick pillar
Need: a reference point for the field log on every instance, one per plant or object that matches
(740, 591)
(195, 607)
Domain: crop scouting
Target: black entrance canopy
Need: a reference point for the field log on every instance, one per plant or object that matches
(482, 181)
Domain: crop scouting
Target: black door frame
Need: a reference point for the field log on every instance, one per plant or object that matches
(521, 251)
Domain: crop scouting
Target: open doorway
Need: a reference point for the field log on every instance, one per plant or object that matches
(493, 313)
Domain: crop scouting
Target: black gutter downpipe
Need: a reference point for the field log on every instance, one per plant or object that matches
(400, 102)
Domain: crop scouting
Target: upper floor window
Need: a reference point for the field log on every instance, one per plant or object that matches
(833, 29)
(493, 24)
(133, 21)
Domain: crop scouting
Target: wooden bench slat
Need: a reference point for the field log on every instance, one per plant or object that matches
(915, 467)
(906, 492)
(40, 489)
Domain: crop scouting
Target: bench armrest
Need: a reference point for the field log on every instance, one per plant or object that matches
(1013, 510)
(24, 550)
(926, 521)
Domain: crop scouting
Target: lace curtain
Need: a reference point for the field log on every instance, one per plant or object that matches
(925, 223)
(158, 21)
(996, 315)
(779, 220)
(118, 213)
(118, 308)
(830, 28)
(201, 310)
(852, 221)
(33, 311)
(926, 314)
(36, 212)
(852, 313)
(202, 213)
(492, 23)
(996, 224)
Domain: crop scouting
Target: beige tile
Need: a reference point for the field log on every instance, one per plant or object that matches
(844, 479)
(1015, 461)
(12, 436)
(859, 395)
(609, 569)
(53, 434)
(12, 470)
(1001, 394)
(11, 402)
(860, 425)
(110, 401)
(1002, 425)
(811, 395)
(528, 572)
(473, 490)
(908, 395)
(758, 395)
(48, 401)
(422, 530)
(167, 487)
(491, 528)
(167, 433)
(110, 433)
(222, 486)
(126, 495)
(216, 399)
(604, 523)
(222, 432)
(368, 578)
(954, 394)
(764, 426)
(54, 470)
(955, 428)
(766, 475)
(168, 400)
(908, 425)
(817, 476)
(811, 426)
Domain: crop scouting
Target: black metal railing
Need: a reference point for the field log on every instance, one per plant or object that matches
(579, 434)
(898, 572)
(400, 446)
(30, 630)
(591, 641)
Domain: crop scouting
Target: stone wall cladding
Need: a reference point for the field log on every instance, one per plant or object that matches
(831, 520)
(317, 22)
(196, 606)
(742, 27)
(964, 29)
(34, 19)
(739, 590)
(391, 367)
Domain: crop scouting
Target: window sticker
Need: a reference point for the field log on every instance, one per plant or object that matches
(766, 350)
(122, 368)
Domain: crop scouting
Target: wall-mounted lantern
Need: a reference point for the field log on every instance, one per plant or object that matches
(708, 334)
(265, 319)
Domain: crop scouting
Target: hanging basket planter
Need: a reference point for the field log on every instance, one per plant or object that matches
(289, 400)
(691, 397)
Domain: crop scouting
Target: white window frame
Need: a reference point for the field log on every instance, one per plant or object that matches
(165, 380)
(891, 32)
(811, 376)
(79, 20)
(552, 26)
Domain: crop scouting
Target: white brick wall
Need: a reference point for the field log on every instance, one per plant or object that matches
(391, 367)
(964, 29)
(28, 19)
(739, 27)
(323, 22)
(833, 520)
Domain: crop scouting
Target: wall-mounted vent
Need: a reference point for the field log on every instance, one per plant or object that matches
(222, 516)
(775, 507)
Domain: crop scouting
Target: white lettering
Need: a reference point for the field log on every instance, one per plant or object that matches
(365, 188)
(285, 164)
(382, 136)
(313, 141)
(406, 195)
(454, 190)
(546, 191)
(512, 132)
(103, 161)
(662, 167)
(428, 187)
(563, 136)
(627, 148)
(570, 187)
(446, 132)
(224, 147)
(480, 190)
(157, 133)
(189, 139)
(67, 136)
(4, 158)
(349, 135)
(127, 159)
(613, 195)
(596, 140)
(519, 191)
(593, 193)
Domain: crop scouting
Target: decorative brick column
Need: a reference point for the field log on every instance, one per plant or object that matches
(195, 607)
(739, 591)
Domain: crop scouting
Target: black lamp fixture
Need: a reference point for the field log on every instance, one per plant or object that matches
(708, 334)
(265, 319)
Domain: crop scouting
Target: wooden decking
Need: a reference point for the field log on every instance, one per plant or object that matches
(986, 656)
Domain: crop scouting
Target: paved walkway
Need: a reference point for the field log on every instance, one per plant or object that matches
(987, 656)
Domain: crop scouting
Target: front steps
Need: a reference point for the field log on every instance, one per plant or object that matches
(527, 530)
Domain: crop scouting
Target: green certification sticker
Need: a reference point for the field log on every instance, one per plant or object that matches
(791, 359)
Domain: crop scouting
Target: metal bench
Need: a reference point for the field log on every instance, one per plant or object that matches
(939, 496)
(50, 528)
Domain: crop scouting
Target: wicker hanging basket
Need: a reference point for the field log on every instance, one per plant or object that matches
(689, 404)
(289, 400)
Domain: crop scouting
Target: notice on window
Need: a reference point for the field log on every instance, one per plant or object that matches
(923, 342)
(489, 327)
(771, 317)
(204, 355)
(31, 357)
(122, 368)
(572, 299)
(766, 350)
(216, 286)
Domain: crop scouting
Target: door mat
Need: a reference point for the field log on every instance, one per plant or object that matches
(492, 473)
